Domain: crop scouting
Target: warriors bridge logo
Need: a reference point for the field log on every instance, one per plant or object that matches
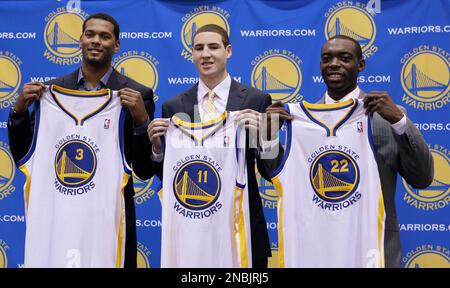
(10, 78)
(75, 166)
(7, 171)
(353, 21)
(277, 72)
(197, 18)
(197, 187)
(436, 196)
(334, 176)
(427, 256)
(139, 66)
(143, 189)
(3, 257)
(62, 34)
(143, 255)
(425, 78)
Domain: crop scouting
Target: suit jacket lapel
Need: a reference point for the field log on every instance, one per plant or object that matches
(70, 81)
(189, 101)
(236, 96)
(116, 81)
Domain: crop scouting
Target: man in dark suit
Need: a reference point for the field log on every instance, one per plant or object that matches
(211, 49)
(99, 42)
(399, 145)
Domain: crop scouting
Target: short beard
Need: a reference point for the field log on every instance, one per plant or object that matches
(97, 63)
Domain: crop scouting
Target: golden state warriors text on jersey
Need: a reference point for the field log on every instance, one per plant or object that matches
(334, 177)
(197, 186)
(75, 164)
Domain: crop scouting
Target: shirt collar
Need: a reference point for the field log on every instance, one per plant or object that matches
(103, 80)
(352, 95)
(222, 89)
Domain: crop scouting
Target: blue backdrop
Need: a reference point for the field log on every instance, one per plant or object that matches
(276, 48)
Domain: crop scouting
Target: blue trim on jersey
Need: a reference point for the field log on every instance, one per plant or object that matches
(242, 186)
(305, 110)
(349, 114)
(82, 94)
(370, 136)
(237, 141)
(187, 127)
(98, 110)
(37, 119)
(121, 142)
(163, 144)
(288, 144)
(329, 107)
(200, 125)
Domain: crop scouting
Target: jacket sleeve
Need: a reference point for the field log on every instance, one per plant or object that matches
(416, 163)
(20, 134)
(141, 145)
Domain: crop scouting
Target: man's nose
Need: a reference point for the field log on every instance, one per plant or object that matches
(206, 53)
(335, 62)
(95, 39)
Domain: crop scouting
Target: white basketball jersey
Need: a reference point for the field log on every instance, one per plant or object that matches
(75, 175)
(331, 210)
(205, 212)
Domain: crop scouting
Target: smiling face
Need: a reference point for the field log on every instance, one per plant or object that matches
(340, 66)
(210, 56)
(98, 43)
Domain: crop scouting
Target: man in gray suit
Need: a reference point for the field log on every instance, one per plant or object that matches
(400, 148)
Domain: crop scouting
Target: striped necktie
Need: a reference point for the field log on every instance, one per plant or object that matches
(209, 109)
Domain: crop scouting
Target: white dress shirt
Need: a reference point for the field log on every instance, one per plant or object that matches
(399, 127)
(222, 91)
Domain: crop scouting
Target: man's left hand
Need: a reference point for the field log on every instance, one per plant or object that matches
(381, 102)
(133, 100)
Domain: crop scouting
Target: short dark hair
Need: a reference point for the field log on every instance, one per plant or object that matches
(216, 29)
(106, 17)
(357, 45)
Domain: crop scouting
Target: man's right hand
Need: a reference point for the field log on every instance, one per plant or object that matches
(278, 108)
(30, 92)
(155, 130)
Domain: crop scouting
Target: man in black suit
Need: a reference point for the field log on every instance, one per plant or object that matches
(211, 49)
(99, 42)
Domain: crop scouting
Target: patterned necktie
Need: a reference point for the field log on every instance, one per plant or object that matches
(209, 109)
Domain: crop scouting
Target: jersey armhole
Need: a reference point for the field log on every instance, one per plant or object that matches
(37, 118)
(126, 167)
(241, 139)
(288, 141)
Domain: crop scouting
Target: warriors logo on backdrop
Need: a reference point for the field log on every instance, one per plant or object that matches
(425, 78)
(352, 20)
(197, 18)
(10, 78)
(62, 36)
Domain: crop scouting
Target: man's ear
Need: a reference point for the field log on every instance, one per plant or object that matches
(229, 51)
(117, 46)
(361, 65)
